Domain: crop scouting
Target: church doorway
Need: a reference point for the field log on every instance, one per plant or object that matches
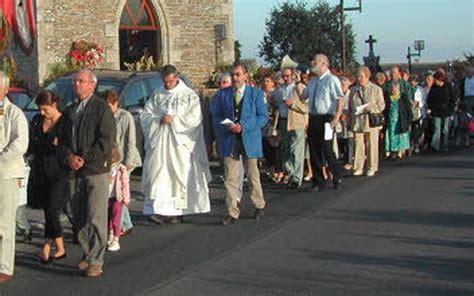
(139, 32)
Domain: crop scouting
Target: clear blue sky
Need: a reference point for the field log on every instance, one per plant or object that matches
(447, 26)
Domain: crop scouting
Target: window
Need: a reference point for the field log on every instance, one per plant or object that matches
(138, 15)
(136, 94)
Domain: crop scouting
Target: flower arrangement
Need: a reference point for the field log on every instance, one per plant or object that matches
(85, 54)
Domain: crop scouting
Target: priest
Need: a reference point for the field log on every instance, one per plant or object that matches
(176, 169)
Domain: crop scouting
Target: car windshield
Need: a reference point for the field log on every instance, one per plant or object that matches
(19, 99)
(63, 89)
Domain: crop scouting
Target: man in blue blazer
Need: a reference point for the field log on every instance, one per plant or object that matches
(238, 116)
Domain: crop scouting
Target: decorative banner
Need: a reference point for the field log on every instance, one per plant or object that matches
(4, 33)
(20, 17)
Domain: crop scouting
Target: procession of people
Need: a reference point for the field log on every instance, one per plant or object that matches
(81, 158)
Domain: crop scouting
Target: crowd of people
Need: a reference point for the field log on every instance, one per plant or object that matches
(298, 127)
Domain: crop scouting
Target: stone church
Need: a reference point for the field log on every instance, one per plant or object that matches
(194, 35)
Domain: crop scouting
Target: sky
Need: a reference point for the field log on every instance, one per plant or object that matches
(446, 26)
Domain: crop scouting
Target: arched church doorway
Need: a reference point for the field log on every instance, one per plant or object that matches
(139, 32)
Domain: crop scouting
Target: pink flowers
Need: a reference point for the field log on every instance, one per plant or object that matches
(86, 54)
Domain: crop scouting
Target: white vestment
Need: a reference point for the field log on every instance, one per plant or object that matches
(176, 169)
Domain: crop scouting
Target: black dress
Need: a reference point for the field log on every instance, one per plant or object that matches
(48, 180)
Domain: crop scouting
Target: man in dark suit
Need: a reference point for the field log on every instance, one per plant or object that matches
(243, 107)
(93, 136)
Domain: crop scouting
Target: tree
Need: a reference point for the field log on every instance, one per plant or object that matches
(301, 32)
(237, 51)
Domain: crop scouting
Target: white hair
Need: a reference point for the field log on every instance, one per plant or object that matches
(223, 76)
(323, 58)
(91, 74)
(4, 79)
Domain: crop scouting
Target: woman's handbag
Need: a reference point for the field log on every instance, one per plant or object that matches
(272, 127)
(376, 119)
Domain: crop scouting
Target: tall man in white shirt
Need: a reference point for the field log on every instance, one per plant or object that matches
(325, 94)
(13, 144)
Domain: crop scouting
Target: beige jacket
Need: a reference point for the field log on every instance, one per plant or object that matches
(298, 111)
(13, 141)
(371, 94)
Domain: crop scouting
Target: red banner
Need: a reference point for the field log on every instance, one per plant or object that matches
(21, 18)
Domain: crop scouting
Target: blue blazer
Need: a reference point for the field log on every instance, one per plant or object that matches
(253, 118)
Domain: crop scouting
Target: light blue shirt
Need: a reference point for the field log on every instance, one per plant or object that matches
(323, 93)
(284, 93)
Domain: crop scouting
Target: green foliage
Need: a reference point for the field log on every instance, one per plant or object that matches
(237, 50)
(58, 69)
(458, 67)
(302, 31)
(9, 67)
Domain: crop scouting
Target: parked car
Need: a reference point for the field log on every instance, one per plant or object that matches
(19, 96)
(134, 90)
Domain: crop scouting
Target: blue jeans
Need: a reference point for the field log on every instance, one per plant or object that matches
(439, 141)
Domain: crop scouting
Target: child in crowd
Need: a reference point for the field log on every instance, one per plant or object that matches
(119, 194)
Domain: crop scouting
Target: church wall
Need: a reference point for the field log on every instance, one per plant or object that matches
(188, 36)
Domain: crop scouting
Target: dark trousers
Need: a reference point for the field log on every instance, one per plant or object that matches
(55, 204)
(90, 198)
(321, 151)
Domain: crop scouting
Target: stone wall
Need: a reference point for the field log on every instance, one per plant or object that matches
(187, 33)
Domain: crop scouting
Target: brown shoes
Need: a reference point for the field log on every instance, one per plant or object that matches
(83, 265)
(94, 271)
(4, 277)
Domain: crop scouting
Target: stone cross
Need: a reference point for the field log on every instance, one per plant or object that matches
(371, 42)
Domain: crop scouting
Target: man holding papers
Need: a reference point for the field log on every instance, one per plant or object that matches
(324, 93)
(238, 115)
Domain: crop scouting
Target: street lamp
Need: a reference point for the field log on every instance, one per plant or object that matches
(419, 46)
(343, 30)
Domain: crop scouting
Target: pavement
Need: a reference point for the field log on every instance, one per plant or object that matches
(408, 231)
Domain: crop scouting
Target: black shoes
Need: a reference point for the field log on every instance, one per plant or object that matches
(229, 220)
(157, 219)
(259, 214)
(176, 220)
(26, 236)
(337, 183)
(292, 186)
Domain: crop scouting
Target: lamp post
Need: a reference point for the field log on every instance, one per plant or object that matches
(343, 30)
(419, 46)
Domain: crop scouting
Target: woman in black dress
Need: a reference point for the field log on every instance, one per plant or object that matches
(48, 185)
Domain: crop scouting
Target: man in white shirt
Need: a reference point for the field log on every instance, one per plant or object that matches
(13, 144)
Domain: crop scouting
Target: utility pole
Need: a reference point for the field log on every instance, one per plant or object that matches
(343, 30)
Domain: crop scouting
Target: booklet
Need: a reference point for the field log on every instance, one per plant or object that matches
(328, 131)
(227, 122)
(360, 109)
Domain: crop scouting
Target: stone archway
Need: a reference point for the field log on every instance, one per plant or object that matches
(142, 30)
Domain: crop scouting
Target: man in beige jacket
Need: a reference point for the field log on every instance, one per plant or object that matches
(291, 126)
(13, 144)
(365, 98)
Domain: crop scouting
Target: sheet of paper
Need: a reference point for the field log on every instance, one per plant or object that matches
(328, 131)
(227, 122)
(360, 109)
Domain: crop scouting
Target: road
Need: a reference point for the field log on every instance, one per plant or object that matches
(408, 231)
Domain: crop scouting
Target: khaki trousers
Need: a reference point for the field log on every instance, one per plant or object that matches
(366, 147)
(8, 203)
(232, 167)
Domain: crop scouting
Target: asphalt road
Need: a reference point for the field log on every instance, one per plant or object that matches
(408, 231)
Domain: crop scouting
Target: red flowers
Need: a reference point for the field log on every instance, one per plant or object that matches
(86, 54)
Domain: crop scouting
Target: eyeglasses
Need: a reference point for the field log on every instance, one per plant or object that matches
(81, 81)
